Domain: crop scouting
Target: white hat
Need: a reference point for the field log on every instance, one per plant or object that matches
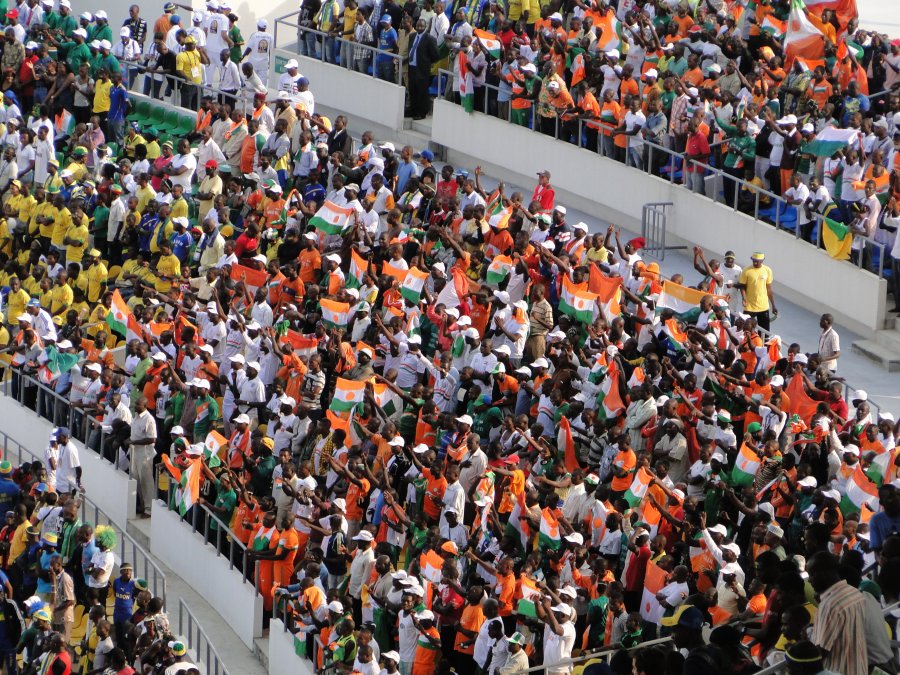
(364, 535)
(559, 208)
(333, 257)
(809, 481)
(556, 16)
(399, 575)
(392, 655)
(421, 449)
(262, 23)
(425, 615)
(195, 450)
(832, 494)
(452, 311)
(719, 457)
(651, 73)
(529, 68)
(96, 367)
(415, 589)
(126, 32)
(568, 591)
(679, 494)
(549, 245)
(243, 418)
(574, 538)
(387, 146)
(786, 120)
(734, 548)
(540, 363)
(415, 340)
(212, 307)
(177, 430)
(613, 54)
(561, 609)
(158, 356)
(524, 370)
(503, 349)
(340, 502)
(465, 419)
(397, 442)
(766, 507)
(26, 318)
(65, 344)
(777, 381)
(105, 44)
(521, 304)
(807, 128)
(502, 296)
(801, 358)
(202, 384)
(723, 415)
(859, 395)
(719, 529)
(580, 226)
(553, 84)
(208, 349)
(291, 63)
(101, 14)
(254, 365)
(439, 267)
(882, 416)
(776, 530)
(851, 450)
(310, 235)
(692, 92)
(260, 258)
(237, 358)
(335, 606)
(80, 32)
(714, 68)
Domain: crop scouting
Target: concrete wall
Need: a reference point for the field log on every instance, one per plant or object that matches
(283, 660)
(604, 187)
(112, 490)
(363, 97)
(185, 553)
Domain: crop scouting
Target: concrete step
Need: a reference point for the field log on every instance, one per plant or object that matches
(139, 528)
(261, 651)
(422, 126)
(872, 350)
(890, 339)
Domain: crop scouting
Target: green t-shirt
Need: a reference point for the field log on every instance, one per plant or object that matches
(236, 51)
(100, 33)
(76, 54)
(224, 500)
(101, 222)
(485, 420)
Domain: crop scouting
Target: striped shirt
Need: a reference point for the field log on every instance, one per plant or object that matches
(840, 629)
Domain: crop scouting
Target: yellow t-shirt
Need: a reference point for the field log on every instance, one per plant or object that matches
(101, 95)
(15, 304)
(98, 317)
(169, 266)
(32, 285)
(5, 238)
(188, 66)
(75, 253)
(153, 150)
(79, 171)
(179, 209)
(61, 298)
(45, 210)
(169, 228)
(756, 281)
(144, 195)
(97, 276)
(62, 221)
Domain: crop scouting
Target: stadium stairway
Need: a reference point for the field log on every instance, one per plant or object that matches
(883, 347)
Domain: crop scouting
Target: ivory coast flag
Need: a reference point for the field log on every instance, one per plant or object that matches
(490, 42)
(637, 378)
(214, 444)
(549, 532)
(386, 398)
(611, 35)
(837, 239)
(302, 345)
(683, 301)
(609, 399)
(347, 395)
(456, 288)
(466, 82)
(430, 564)
(411, 287)
(331, 218)
(654, 580)
(859, 490)
(566, 445)
(334, 314)
(397, 273)
(358, 267)
(120, 319)
(773, 26)
(188, 491)
(638, 488)
(676, 336)
(880, 467)
(499, 269)
(745, 466)
(801, 37)
(575, 303)
(830, 140)
(530, 595)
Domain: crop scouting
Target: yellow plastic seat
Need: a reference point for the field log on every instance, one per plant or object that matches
(226, 231)
(114, 272)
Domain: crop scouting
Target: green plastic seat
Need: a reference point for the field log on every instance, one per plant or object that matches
(170, 122)
(141, 112)
(114, 147)
(157, 115)
(186, 125)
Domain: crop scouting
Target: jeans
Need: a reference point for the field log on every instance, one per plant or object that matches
(152, 86)
(385, 70)
(694, 181)
(308, 45)
(608, 146)
(330, 50)
(346, 50)
(635, 156)
(117, 130)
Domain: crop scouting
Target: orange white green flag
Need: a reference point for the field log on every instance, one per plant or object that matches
(335, 314)
(411, 287)
(635, 494)
(489, 41)
(121, 321)
(549, 532)
(358, 267)
(745, 466)
(331, 218)
(347, 395)
(499, 269)
(801, 37)
(859, 491)
(576, 303)
(654, 580)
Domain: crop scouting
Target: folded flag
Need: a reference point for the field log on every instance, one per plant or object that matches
(837, 239)
(745, 467)
(609, 400)
(331, 218)
(57, 363)
(499, 269)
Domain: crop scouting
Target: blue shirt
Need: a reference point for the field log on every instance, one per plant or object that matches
(405, 171)
(87, 552)
(9, 495)
(145, 231)
(314, 192)
(181, 245)
(124, 599)
(44, 586)
(882, 526)
(387, 40)
(118, 97)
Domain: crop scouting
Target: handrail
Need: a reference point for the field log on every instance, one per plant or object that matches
(671, 164)
(128, 549)
(600, 653)
(202, 646)
(326, 47)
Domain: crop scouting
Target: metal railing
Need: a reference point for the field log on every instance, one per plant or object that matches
(603, 654)
(655, 159)
(222, 537)
(128, 549)
(194, 635)
(179, 92)
(330, 48)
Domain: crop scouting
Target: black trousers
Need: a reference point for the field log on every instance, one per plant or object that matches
(762, 318)
(418, 92)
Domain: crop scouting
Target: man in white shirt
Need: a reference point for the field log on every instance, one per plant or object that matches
(183, 166)
(361, 568)
(797, 196)
(829, 343)
(258, 51)
(143, 442)
(559, 639)
(68, 468)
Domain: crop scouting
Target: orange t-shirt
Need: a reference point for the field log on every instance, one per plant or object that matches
(505, 590)
(310, 263)
(472, 619)
(355, 494)
(480, 315)
(625, 459)
(684, 23)
(435, 487)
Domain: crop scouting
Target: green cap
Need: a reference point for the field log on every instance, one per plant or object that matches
(141, 585)
(754, 427)
(80, 151)
(5, 467)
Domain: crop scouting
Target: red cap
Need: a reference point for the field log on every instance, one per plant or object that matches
(512, 459)
(212, 164)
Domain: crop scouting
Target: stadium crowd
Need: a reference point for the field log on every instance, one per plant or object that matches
(453, 429)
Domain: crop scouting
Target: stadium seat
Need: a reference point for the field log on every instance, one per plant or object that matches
(141, 112)
(226, 231)
(170, 121)
(114, 147)
(158, 114)
(787, 219)
(185, 125)
(114, 272)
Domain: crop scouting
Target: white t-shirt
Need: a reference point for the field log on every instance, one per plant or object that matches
(558, 648)
(189, 162)
(102, 560)
(65, 468)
